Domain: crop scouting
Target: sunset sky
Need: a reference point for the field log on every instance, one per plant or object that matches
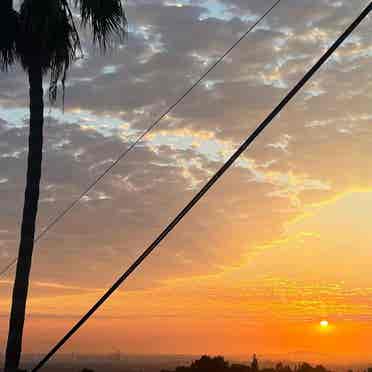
(282, 242)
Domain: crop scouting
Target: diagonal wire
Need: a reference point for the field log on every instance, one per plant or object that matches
(208, 185)
(61, 215)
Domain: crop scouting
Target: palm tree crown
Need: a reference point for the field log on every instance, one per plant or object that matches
(46, 32)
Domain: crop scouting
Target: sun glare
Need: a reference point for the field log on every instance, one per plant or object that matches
(324, 323)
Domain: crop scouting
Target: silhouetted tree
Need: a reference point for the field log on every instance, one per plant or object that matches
(281, 368)
(306, 367)
(43, 37)
(208, 364)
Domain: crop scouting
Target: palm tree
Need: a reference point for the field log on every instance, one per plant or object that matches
(44, 38)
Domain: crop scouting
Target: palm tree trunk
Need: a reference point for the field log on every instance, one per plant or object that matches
(20, 289)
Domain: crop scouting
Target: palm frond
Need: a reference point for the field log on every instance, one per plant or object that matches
(44, 33)
(48, 37)
(106, 18)
(9, 22)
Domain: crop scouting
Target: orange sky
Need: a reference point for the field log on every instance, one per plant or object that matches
(271, 301)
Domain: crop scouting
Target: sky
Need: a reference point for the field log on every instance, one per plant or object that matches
(279, 244)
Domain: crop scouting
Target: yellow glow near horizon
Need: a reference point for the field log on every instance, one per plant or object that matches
(324, 323)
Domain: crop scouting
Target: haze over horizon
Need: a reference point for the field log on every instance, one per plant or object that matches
(282, 243)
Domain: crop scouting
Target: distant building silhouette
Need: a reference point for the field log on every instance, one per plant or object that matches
(254, 364)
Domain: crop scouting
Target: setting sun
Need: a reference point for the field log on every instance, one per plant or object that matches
(324, 323)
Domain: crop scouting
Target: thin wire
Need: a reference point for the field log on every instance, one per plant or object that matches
(55, 220)
(207, 186)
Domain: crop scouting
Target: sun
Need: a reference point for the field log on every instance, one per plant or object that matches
(324, 324)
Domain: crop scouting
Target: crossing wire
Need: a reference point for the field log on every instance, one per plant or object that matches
(64, 212)
(208, 185)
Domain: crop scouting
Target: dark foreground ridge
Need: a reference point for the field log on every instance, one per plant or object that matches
(219, 364)
(183, 364)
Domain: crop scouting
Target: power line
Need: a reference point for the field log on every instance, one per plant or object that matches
(59, 217)
(208, 185)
